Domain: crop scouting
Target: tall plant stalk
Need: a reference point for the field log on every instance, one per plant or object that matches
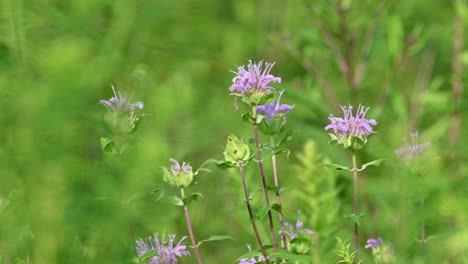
(356, 210)
(262, 173)
(189, 227)
(277, 193)
(249, 208)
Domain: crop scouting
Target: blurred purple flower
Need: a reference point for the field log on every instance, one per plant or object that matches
(166, 253)
(413, 149)
(121, 103)
(374, 242)
(274, 108)
(253, 79)
(251, 260)
(352, 126)
(295, 232)
(175, 168)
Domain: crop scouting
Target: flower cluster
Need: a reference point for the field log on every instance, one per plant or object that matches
(297, 230)
(411, 150)
(121, 103)
(374, 242)
(164, 252)
(177, 175)
(381, 252)
(252, 86)
(122, 117)
(274, 114)
(351, 131)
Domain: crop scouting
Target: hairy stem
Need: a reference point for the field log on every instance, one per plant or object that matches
(262, 173)
(189, 227)
(356, 211)
(249, 208)
(277, 193)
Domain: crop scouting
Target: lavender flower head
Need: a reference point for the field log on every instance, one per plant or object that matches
(177, 175)
(411, 150)
(351, 127)
(275, 109)
(252, 85)
(374, 242)
(165, 252)
(297, 230)
(121, 103)
(251, 260)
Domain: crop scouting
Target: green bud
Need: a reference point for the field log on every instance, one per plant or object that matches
(236, 151)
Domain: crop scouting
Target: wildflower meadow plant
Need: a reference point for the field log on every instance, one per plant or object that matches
(123, 120)
(351, 133)
(153, 250)
(381, 252)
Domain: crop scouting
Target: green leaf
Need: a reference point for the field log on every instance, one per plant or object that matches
(252, 194)
(215, 238)
(336, 166)
(372, 163)
(147, 256)
(219, 163)
(175, 200)
(276, 207)
(192, 197)
(107, 145)
(279, 189)
(140, 195)
(248, 118)
(354, 218)
(262, 211)
(250, 254)
(289, 256)
(286, 137)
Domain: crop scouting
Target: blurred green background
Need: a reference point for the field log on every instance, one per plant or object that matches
(63, 201)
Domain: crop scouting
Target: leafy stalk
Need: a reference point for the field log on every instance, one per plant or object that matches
(262, 173)
(356, 211)
(249, 208)
(277, 193)
(189, 227)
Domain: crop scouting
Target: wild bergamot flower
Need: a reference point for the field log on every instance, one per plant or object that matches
(180, 176)
(252, 86)
(351, 131)
(165, 252)
(411, 150)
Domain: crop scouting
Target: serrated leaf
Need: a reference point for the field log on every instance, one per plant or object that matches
(354, 218)
(175, 200)
(336, 166)
(215, 238)
(372, 163)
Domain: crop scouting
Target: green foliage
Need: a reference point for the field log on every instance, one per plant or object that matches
(343, 252)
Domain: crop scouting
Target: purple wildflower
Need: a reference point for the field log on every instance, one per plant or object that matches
(177, 175)
(121, 103)
(295, 232)
(274, 109)
(351, 127)
(165, 253)
(413, 149)
(253, 84)
(175, 168)
(251, 260)
(374, 242)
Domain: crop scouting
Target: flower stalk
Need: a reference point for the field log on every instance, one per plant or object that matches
(189, 227)
(356, 210)
(249, 208)
(262, 173)
(277, 193)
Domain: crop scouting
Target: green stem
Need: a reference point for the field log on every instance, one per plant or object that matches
(356, 211)
(277, 193)
(189, 227)
(262, 173)
(249, 208)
